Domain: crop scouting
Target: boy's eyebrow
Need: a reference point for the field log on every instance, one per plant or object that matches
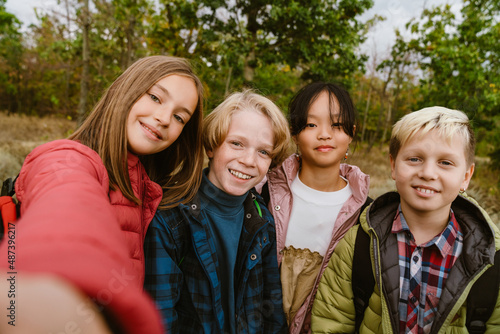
(166, 92)
(243, 138)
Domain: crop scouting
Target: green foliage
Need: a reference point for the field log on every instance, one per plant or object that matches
(318, 37)
(11, 53)
(270, 47)
(461, 62)
(273, 47)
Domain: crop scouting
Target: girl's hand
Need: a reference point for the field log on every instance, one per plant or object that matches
(45, 304)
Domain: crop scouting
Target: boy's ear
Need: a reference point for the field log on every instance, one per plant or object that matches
(467, 177)
(210, 154)
(393, 167)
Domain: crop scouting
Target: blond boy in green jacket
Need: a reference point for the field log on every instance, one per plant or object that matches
(428, 243)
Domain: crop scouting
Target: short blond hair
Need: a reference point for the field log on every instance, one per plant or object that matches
(216, 124)
(447, 122)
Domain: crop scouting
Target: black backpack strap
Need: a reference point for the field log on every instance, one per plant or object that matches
(482, 298)
(363, 281)
(8, 187)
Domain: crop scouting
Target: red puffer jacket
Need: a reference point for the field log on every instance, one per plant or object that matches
(72, 226)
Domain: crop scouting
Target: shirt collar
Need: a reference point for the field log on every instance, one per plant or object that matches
(220, 199)
(443, 241)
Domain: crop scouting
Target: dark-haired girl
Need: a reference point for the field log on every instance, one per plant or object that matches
(314, 196)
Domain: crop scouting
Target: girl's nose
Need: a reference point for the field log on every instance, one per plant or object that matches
(325, 132)
(163, 116)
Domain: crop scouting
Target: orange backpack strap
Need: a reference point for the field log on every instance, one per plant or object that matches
(9, 213)
(8, 206)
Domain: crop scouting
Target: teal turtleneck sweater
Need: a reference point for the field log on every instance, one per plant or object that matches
(225, 214)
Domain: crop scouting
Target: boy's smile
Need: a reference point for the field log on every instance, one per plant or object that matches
(429, 173)
(244, 157)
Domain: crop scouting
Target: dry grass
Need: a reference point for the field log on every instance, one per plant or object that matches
(20, 134)
(376, 164)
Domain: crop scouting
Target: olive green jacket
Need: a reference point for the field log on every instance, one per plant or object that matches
(333, 309)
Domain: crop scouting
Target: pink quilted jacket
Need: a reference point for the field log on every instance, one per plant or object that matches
(280, 204)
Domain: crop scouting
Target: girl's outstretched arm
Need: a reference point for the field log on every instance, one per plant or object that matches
(68, 229)
(46, 304)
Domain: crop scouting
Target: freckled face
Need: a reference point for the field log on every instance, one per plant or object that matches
(157, 119)
(243, 159)
(429, 173)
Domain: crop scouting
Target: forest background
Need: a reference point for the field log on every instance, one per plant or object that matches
(53, 71)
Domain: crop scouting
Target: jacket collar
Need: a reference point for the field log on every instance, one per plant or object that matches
(360, 182)
(479, 232)
(132, 160)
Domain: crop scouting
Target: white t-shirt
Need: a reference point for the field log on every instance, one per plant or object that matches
(313, 216)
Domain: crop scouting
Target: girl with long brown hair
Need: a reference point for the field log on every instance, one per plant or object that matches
(87, 201)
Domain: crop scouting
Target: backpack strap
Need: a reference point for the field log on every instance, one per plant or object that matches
(363, 281)
(482, 298)
(9, 207)
(8, 187)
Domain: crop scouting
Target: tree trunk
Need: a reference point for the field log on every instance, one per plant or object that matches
(84, 83)
(365, 115)
(386, 124)
(228, 80)
(249, 70)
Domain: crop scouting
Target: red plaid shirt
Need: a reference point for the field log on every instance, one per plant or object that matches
(423, 271)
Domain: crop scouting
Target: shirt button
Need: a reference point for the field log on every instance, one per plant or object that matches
(253, 257)
(193, 206)
(413, 299)
(277, 208)
(415, 258)
(249, 215)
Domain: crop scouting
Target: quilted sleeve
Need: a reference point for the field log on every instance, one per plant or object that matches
(68, 229)
(333, 308)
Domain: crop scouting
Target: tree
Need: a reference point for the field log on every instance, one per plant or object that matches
(11, 54)
(234, 40)
(460, 60)
(84, 82)
(319, 37)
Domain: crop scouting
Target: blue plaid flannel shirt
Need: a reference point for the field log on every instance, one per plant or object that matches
(182, 272)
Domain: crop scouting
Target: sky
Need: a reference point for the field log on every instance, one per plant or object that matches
(378, 43)
(397, 13)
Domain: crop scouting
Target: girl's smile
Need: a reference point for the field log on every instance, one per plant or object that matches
(152, 132)
(157, 119)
